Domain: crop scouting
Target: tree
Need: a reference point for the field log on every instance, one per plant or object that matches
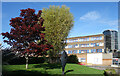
(58, 23)
(0, 46)
(25, 33)
(72, 59)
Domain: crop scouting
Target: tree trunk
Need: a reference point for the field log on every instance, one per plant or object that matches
(26, 62)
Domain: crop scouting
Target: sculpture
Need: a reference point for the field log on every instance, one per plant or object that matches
(63, 60)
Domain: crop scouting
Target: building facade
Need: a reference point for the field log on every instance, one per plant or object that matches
(119, 26)
(110, 40)
(119, 35)
(85, 44)
(90, 50)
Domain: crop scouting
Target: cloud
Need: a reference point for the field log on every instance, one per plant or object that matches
(97, 18)
(93, 15)
(109, 22)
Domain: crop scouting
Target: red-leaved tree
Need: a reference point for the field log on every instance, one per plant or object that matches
(26, 34)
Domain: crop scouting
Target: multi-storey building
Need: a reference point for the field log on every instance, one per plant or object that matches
(119, 35)
(110, 40)
(90, 50)
(119, 26)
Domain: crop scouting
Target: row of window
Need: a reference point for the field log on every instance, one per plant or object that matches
(84, 39)
(85, 51)
(84, 45)
(96, 50)
(96, 38)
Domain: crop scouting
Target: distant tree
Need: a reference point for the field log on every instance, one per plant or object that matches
(8, 55)
(72, 59)
(58, 23)
(25, 33)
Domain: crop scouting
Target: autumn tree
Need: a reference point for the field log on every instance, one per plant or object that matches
(58, 23)
(25, 33)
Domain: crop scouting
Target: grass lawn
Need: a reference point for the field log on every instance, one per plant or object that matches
(49, 69)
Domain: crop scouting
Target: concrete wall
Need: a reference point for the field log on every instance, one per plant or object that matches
(107, 55)
(107, 62)
(107, 59)
(94, 58)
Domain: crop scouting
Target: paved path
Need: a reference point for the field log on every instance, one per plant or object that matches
(117, 69)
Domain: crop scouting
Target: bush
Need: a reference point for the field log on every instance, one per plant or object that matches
(72, 59)
(109, 72)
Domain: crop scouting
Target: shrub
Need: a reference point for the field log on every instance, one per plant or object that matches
(109, 72)
(72, 59)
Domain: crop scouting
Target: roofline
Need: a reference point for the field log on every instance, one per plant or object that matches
(110, 30)
(85, 36)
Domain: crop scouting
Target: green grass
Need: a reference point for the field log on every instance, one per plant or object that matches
(49, 69)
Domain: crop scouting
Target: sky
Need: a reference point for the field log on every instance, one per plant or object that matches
(90, 18)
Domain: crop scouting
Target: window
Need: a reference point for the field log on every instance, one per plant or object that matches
(71, 40)
(100, 44)
(83, 51)
(87, 45)
(66, 46)
(83, 45)
(96, 38)
(74, 51)
(88, 39)
(75, 40)
(97, 44)
(76, 45)
(100, 37)
(93, 44)
(82, 59)
(87, 51)
(91, 38)
(69, 46)
(79, 45)
(99, 50)
(80, 40)
(67, 41)
(79, 51)
(69, 52)
(93, 50)
(83, 39)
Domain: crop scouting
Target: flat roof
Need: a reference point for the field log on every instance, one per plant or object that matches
(86, 36)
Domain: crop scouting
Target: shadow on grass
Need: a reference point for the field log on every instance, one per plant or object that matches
(27, 73)
(68, 71)
(33, 72)
(48, 66)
